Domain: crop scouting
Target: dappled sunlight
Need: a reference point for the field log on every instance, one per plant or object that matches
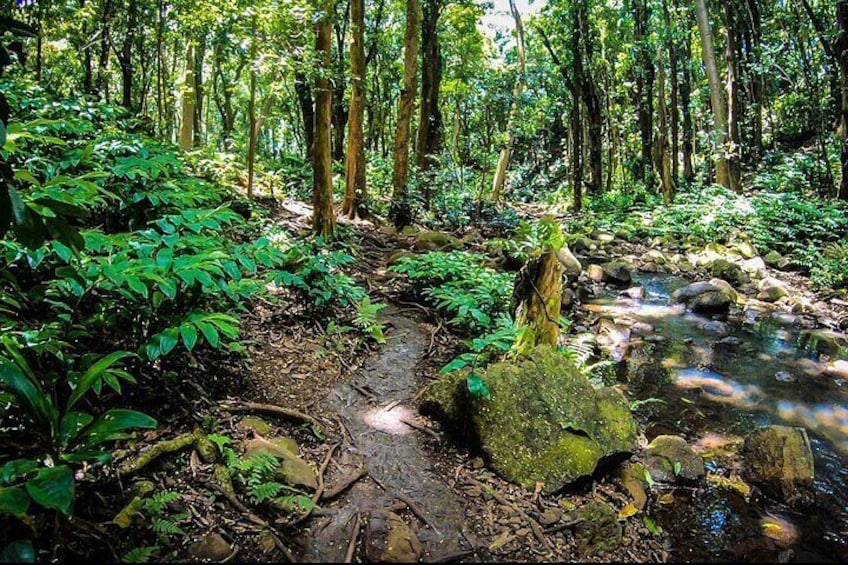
(717, 388)
(392, 420)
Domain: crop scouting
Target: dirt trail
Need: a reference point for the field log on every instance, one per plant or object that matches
(375, 408)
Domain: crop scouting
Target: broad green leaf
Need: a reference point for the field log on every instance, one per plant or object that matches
(210, 333)
(53, 488)
(31, 396)
(189, 334)
(94, 374)
(13, 470)
(110, 425)
(13, 500)
(476, 386)
(168, 341)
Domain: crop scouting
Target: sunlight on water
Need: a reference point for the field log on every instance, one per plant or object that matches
(717, 388)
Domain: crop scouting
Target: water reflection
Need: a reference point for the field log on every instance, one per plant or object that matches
(718, 388)
(829, 420)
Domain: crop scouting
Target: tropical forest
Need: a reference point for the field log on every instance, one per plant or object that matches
(400, 281)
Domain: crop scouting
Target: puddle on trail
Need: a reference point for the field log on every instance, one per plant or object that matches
(394, 452)
(721, 379)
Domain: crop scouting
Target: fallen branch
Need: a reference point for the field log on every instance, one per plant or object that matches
(271, 409)
(147, 457)
(320, 490)
(354, 535)
(344, 484)
(421, 428)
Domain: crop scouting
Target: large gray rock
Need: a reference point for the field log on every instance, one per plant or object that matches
(712, 297)
(616, 273)
(772, 290)
(389, 540)
(571, 266)
(779, 460)
(544, 422)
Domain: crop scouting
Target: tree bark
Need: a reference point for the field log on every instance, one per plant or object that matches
(644, 90)
(126, 56)
(401, 210)
(717, 98)
(662, 149)
(187, 125)
(199, 91)
(594, 115)
(323, 216)
(307, 111)
(576, 114)
(430, 117)
(506, 153)
(686, 103)
(537, 302)
(340, 113)
(103, 65)
(251, 112)
(355, 196)
(842, 51)
(734, 111)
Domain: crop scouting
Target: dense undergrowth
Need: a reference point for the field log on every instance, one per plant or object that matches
(121, 265)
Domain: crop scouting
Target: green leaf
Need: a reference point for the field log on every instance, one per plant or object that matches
(168, 341)
(94, 374)
(20, 551)
(110, 425)
(29, 393)
(18, 206)
(14, 500)
(53, 488)
(72, 424)
(477, 387)
(210, 333)
(13, 470)
(651, 526)
(189, 334)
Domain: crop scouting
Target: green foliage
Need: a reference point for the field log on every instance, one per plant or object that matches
(366, 319)
(459, 285)
(830, 269)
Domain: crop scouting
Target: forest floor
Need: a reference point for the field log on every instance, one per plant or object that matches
(352, 410)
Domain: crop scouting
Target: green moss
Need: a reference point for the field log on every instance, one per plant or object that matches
(544, 420)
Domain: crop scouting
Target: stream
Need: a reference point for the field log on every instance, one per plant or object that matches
(717, 380)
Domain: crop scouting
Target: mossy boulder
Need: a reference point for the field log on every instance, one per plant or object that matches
(779, 460)
(436, 241)
(773, 258)
(728, 271)
(389, 540)
(599, 530)
(771, 290)
(670, 459)
(543, 421)
(293, 470)
(713, 297)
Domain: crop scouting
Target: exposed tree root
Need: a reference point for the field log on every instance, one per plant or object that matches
(272, 409)
(344, 484)
(197, 439)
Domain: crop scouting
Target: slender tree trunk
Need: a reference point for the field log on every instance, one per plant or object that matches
(88, 77)
(717, 98)
(594, 115)
(662, 149)
(686, 102)
(323, 216)
(576, 114)
(842, 54)
(126, 56)
(430, 118)
(160, 69)
(199, 91)
(340, 112)
(645, 90)
(251, 113)
(734, 150)
(506, 152)
(355, 186)
(674, 107)
(307, 111)
(401, 211)
(187, 124)
(103, 66)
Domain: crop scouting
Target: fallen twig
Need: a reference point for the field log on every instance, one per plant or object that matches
(344, 484)
(421, 428)
(354, 535)
(271, 409)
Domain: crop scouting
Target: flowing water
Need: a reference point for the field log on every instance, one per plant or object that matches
(718, 380)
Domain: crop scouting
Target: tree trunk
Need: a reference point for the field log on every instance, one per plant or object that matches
(251, 112)
(103, 66)
(842, 53)
(323, 216)
(686, 102)
(756, 77)
(576, 114)
(717, 98)
(645, 90)
(594, 115)
(674, 108)
(430, 118)
(401, 211)
(506, 152)
(537, 301)
(355, 196)
(160, 69)
(733, 152)
(187, 125)
(340, 113)
(662, 149)
(307, 111)
(126, 56)
(199, 91)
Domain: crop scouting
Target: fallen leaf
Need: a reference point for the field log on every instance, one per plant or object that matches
(628, 511)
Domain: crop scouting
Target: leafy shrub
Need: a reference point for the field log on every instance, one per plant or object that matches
(458, 284)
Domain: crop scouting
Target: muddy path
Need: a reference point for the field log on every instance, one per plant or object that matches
(387, 439)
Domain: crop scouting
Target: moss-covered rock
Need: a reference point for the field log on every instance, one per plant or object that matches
(436, 241)
(293, 470)
(543, 422)
(713, 297)
(599, 532)
(616, 273)
(773, 258)
(779, 460)
(728, 271)
(670, 459)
